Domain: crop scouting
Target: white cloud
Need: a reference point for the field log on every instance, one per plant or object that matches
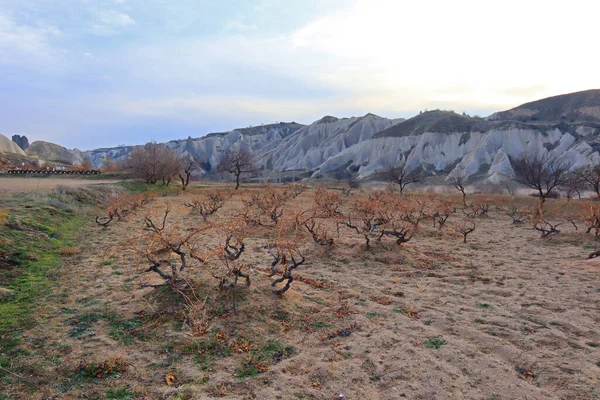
(28, 46)
(187, 107)
(456, 51)
(110, 22)
(390, 57)
(115, 18)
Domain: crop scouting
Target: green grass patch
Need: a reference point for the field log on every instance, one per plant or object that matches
(81, 325)
(247, 370)
(260, 357)
(206, 351)
(434, 343)
(157, 188)
(119, 393)
(35, 230)
(318, 326)
(126, 331)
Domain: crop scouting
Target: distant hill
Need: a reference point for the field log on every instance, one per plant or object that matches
(573, 107)
(434, 142)
(435, 121)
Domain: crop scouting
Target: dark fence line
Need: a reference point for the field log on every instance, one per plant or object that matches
(53, 172)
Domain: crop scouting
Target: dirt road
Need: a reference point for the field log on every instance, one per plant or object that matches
(32, 185)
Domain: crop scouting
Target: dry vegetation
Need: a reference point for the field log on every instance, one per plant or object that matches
(287, 292)
(40, 185)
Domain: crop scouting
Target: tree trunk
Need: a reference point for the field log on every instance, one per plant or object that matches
(184, 182)
(237, 180)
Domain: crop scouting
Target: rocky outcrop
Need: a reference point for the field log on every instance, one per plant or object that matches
(8, 146)
(208, 149)
(279, 147)
(21, 141)
(482, 149)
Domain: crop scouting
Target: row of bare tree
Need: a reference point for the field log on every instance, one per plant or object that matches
(156, 162)
(543, 173)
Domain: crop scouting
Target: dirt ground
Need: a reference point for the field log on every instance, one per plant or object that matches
(35, 185)
(508, 315)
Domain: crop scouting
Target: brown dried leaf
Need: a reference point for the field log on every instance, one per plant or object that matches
(170, 378)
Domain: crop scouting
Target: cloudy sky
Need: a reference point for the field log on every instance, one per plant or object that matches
(91, 73)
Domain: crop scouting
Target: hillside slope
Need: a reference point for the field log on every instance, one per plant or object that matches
(440, 142)
(279, 147)
(573, 107)
(8, 146)
(53, 152)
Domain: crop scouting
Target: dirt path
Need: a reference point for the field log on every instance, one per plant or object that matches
(34, 185)
(506, 316)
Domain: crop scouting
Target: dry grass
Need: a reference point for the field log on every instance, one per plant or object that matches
(507, 315)
(4, 212)
(69, 251)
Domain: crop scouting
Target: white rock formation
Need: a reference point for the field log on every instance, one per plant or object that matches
(53, 152)
(361, 144)
(8, 146)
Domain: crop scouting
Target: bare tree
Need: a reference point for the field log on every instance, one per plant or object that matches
(143, 162)
(542, 173)
(459, 180)
(591, 176)
(86, 163)
(401, 176)
(207, 203)
(465, 226)
(363, 217)
(237, 162)
(109, 164)
(542, 223)
(153, 162)
(187, 165)
(516, 213)
(575, 184)
(169, 164)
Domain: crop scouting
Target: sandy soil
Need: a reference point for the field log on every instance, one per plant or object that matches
(34, 185)
(518, 318)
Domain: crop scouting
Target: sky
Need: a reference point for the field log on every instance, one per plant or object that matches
(100, 73)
